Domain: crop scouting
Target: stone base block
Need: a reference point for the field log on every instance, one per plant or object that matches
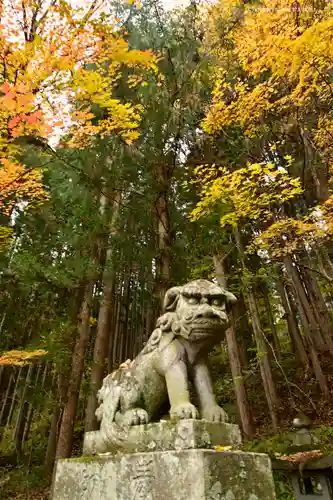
(166, 475)
(164, 435)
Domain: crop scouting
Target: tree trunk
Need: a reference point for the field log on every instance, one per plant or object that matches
(141, 333)
(129, 324)
(56, 395)
(274, 336)
(320, 181)
(128, 307)
(234, 360)
(113, 359)
(123, 316)
(9, 381)
(325, 264)
(245, 335)
(65, 441)
(14, 395)
(295, 335)
(263, 359)
(162, 174)
(32, 408)
(310, 341)
(237, 377)
(304, 305)
(23, 411)
(102, 335)
(265, 369)
(52, 439)
(117, 345)
(150, 315)
(4, 378)
(112, 335)
(149, 323)
(319, 306)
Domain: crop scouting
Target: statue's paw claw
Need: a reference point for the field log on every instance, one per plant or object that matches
(185, 410)
(215, 414)
(136, 416)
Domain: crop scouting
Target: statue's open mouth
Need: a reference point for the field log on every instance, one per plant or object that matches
(215, 323)
(205, 329)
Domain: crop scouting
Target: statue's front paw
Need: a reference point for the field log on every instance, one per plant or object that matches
(184, 410)
(136, 416)
(214, 414)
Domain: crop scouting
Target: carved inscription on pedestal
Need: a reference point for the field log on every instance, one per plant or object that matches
(90, 483)
(143, 476)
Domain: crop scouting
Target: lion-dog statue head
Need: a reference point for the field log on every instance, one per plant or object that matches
(196, 311)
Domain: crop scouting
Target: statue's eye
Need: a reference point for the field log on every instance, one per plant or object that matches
(217, 302)
(193, 300)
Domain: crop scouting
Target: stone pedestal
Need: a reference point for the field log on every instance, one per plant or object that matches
(166, 475)
(187, 470)
(166, 435)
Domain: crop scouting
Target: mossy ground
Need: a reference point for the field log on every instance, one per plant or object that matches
(23, 483)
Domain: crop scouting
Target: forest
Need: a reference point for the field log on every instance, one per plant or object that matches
(141, 147)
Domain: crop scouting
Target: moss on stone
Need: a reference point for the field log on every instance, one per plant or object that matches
(92, 458)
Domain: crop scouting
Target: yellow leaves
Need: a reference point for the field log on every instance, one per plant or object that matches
(55, 63)
(20, 358)
(5, 235)
(257, 193)
(135, 80)
(285, 237)
(284, 63)
(122, 119)
(248, 193)
(323, 134)
(16, 99)
(137, 4)
(235, 103)
(89, 83)
(71, 57)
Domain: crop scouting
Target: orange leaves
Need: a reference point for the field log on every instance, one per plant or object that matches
(23, 124)
(5, 88)
(18, 183)
(56, 62)
(47, 64)
(18, 111)
(14, 121)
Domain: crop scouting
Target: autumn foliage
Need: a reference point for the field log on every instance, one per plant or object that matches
(21, 358)
(56, 62)
(273, 87)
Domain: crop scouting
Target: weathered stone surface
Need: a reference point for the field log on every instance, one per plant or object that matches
(194, 320)
(166, 475)
(303, 437)
(167, 435)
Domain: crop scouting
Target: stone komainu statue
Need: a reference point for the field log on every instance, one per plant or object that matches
(195, 319)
